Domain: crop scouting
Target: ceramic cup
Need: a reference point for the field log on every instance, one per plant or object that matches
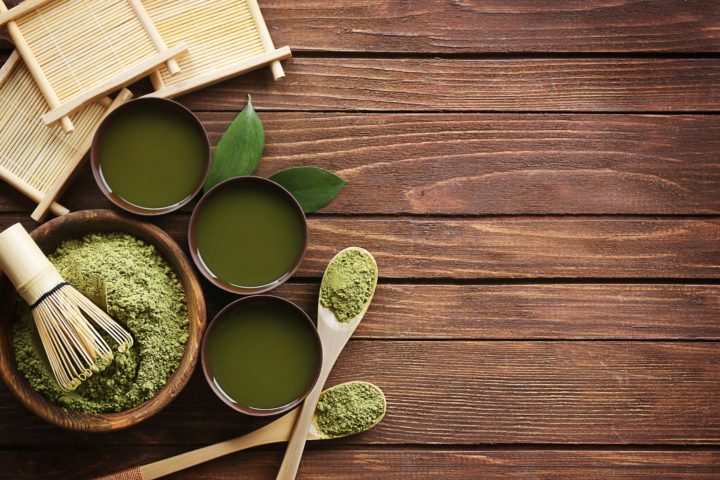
(107, 124)
(239, 182)
(221, 316)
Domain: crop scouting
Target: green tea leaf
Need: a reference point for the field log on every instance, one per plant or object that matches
(313, 187)
(239, 150)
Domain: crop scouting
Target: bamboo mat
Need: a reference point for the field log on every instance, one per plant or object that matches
(224, 38)
(34, 158)
(80, 50)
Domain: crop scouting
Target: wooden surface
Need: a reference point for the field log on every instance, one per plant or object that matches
(540, 183)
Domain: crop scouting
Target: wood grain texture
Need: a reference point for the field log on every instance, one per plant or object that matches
(559, 85)
(471, 393)
(598, 311)
(517, 248)
(463, 26)
(466, 362)
(500, 85)
(397, 464)
(474, 164)
(505, 248)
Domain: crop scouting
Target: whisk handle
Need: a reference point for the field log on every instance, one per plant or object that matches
(25, 264)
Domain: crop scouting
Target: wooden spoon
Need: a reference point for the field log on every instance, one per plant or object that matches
(277, 431)
(334, 335)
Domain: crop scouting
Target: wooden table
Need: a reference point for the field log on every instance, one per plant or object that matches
(540, 183)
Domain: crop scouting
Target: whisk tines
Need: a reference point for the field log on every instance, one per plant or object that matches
(66, 322)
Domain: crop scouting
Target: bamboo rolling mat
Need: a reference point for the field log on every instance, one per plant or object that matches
(36, 159)
(80, 50)
(225, 38)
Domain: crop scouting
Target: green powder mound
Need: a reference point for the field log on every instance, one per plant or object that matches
(348, 284)
(349, 408)
(143, 295)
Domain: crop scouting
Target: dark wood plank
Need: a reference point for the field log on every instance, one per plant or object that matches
(340, 464)
(484, 164)
(512, 248)
(476, 164)
(472, 393)
(506, 248)
(564, 85)
(599, 311)
(507, 26)
(437, 26)
(557, 85)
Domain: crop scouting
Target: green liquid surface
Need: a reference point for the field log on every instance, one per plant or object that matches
(249, 235)
(152, 157)
(263, 354)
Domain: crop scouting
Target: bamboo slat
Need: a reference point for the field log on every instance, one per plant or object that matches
(225, 38)
(80, 50)
(36, 159)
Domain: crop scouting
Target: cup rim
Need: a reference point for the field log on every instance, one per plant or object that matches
(207, 370)
(95, 156)
(192, 236)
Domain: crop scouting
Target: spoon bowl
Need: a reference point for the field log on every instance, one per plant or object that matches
(314, 432)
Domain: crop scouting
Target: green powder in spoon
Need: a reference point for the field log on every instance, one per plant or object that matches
(349, 408)
(349, 283)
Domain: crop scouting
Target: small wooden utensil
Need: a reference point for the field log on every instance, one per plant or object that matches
(334, 335)
(65, 319)
(277, 431)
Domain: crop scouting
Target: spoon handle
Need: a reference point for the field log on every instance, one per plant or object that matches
(296, 446)
(276, 431)
(333, 342)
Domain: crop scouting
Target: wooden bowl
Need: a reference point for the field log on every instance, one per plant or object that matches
(74, 225)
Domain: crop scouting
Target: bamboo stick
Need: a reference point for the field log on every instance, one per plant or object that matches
(104, 101)
(18, 11)
(155, 37)
(8, 66)
(275, 66)
(77, 51)
(222, 74)
(29, 191)
(224, 39)
(121, 80)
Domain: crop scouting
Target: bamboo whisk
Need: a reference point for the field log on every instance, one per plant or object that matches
(64, 318)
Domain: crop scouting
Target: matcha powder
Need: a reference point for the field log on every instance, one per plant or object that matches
(349, 408)
(349, 283)
(143, 295)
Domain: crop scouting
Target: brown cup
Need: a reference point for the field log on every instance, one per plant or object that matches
(192, 234)
(208, 371)
(144, 102)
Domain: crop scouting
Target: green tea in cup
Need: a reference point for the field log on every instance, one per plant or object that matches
(150, 156)
(262, 355)
(248, 235)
